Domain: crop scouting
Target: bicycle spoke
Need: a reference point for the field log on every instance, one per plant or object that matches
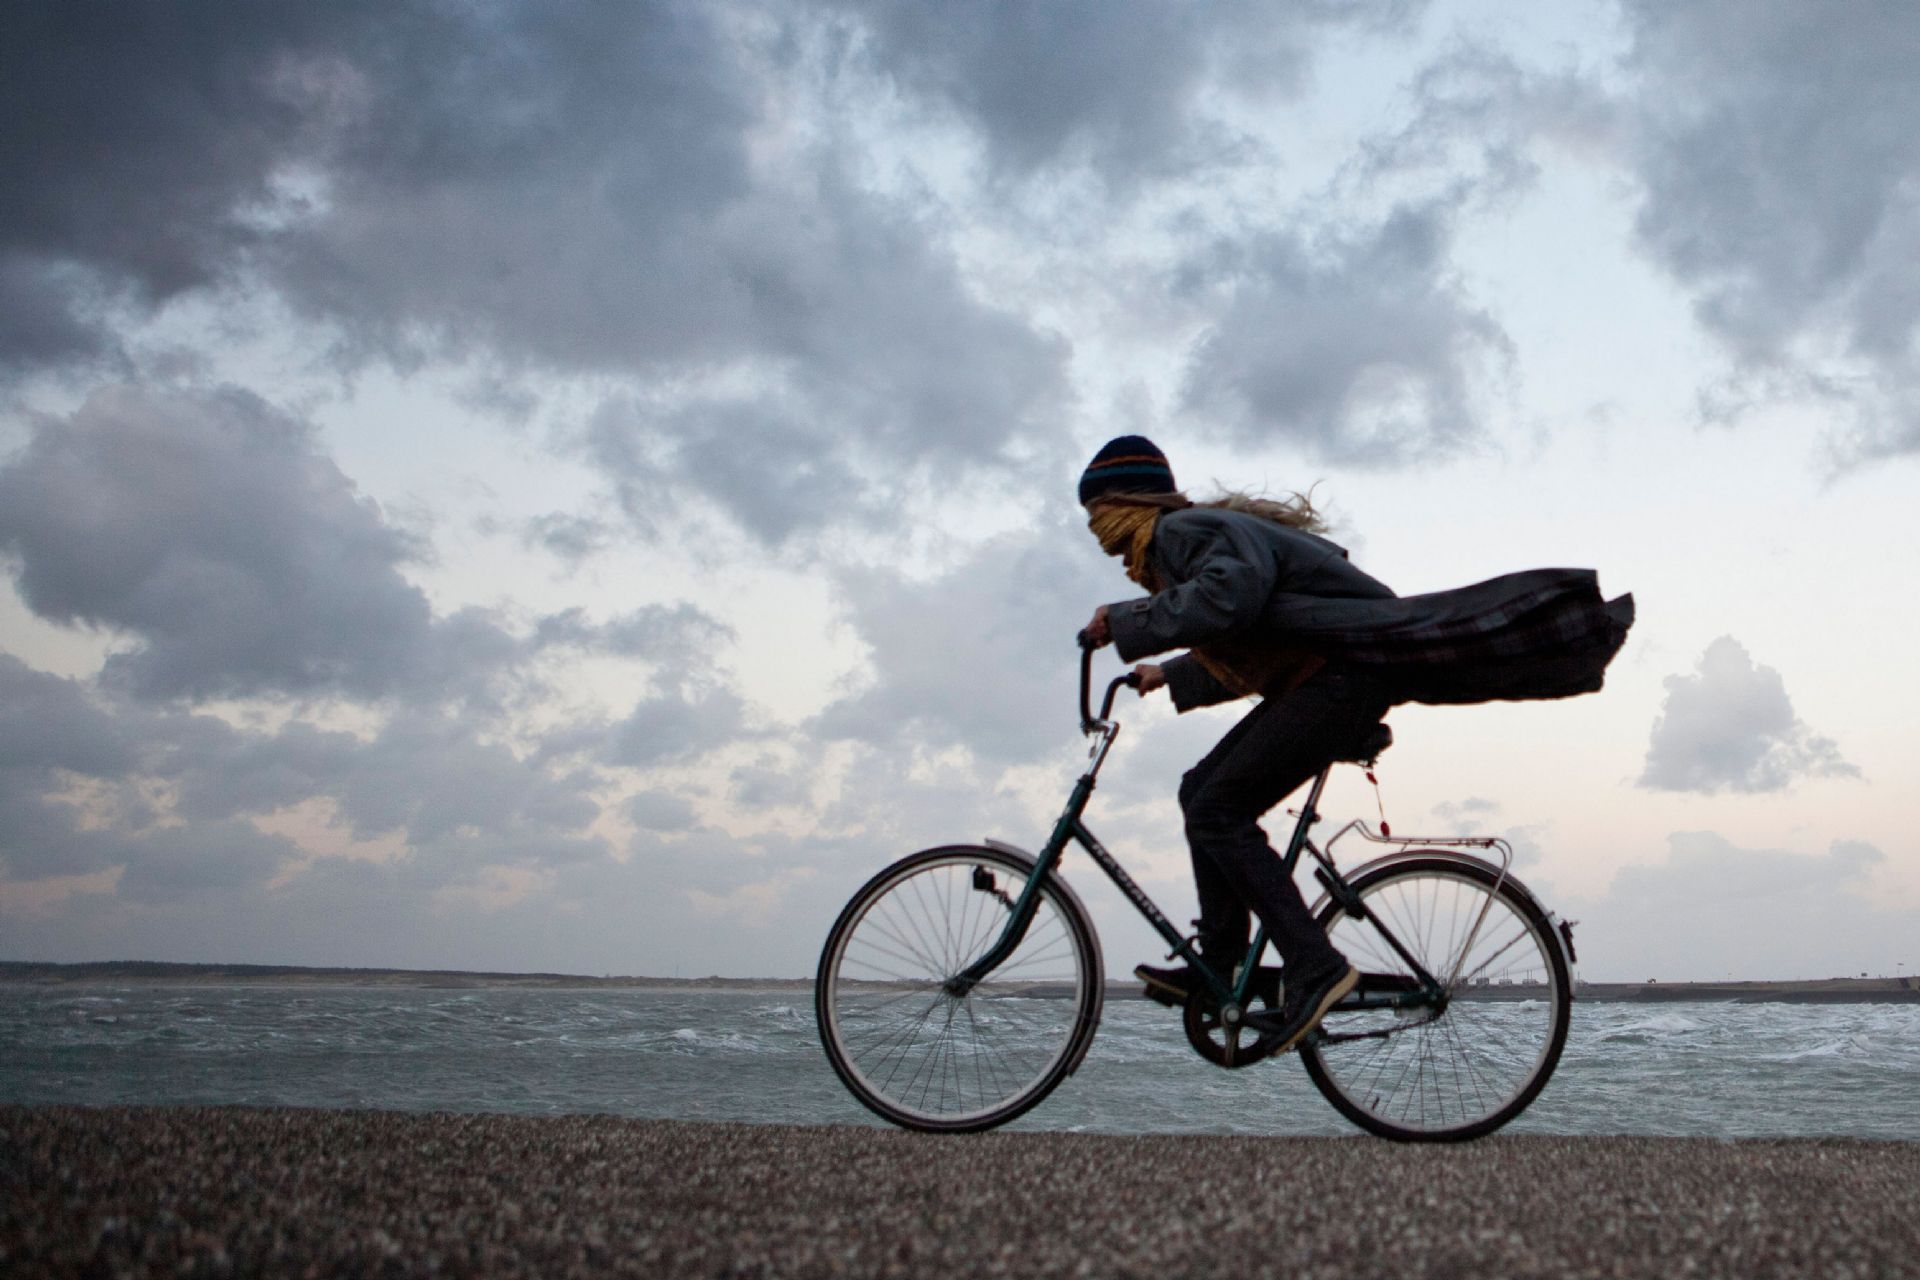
(902, 957)
(1473, 1061)
(907, 1034)
(923, 1053)
(926, 948)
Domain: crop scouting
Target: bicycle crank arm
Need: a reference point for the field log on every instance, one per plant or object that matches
(1322, 1036)
(1392, 991)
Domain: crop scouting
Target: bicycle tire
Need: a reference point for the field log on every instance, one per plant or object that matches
(923, 1058)
(1486, 1056)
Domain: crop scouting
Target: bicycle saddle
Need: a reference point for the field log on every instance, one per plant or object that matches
(1377, 739)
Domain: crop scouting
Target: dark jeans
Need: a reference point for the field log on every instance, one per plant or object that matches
(1280, 744)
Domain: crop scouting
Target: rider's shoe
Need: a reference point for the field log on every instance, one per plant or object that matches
(1170, 986)
(1307, 1002)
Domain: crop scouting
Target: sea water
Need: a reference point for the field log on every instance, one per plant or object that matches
(1720, 1070)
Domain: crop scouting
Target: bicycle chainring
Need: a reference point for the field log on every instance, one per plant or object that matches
(1213, 1039)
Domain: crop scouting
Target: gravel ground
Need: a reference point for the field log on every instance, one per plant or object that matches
(235, 1191)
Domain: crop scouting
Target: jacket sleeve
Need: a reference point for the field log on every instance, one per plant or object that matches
(1225, 578)
(1191, 685)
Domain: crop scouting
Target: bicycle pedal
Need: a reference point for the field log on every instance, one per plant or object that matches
(1158, 992)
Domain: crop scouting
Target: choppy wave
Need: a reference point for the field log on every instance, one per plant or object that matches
(1714, 1069)
(1664, 1025)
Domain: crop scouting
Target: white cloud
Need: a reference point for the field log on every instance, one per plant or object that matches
(215, 533)
(1730, 727)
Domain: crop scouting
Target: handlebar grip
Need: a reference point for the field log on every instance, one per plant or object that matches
(1086, 683)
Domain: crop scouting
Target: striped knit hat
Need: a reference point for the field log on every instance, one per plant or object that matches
(1126, 464)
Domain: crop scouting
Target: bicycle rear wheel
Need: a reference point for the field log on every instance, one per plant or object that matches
(1474, 1064)
(912, 1051)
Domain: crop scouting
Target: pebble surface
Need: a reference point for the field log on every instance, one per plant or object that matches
(221, 1191)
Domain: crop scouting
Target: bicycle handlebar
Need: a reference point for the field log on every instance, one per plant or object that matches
(1088, 722)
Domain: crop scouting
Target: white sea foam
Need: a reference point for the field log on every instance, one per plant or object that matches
(1659, 1025)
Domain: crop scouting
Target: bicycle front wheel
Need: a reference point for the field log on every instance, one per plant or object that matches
(914, 1052)
(1473, 1064)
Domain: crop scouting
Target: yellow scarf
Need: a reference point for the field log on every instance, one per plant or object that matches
(1247, 665)
(1127, 532)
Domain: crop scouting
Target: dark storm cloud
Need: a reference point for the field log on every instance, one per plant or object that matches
(71, 803)
(1731, 727)
(48, 722)
(559, 256)
(213, 531)
(158, 148)
(598, 189)
(52, 734)
(1779, 158)
(1360, 348)
(235, 557)
(169, 862)
(429, 777)
(1113, 85)
(883, 372)
(138, 139)
(539, 179)
(89, 784)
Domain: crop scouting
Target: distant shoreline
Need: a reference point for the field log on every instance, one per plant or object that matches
(161, 973)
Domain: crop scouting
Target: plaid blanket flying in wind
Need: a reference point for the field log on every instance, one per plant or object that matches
(1543, 633)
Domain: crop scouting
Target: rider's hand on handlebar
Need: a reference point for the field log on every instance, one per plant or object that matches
(1096, 633)
(1147, 677)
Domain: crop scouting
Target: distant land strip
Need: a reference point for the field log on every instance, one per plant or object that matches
(1900, 990)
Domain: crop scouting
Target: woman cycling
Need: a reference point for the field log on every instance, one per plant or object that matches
(1266, 606)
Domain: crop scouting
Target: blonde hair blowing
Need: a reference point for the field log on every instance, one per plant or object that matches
(1296, 510)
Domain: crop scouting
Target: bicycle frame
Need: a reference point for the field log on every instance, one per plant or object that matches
(1230, 992)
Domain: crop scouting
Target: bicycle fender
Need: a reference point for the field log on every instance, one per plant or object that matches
(1099, 961)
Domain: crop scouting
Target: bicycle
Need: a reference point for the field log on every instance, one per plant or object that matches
(963, 983)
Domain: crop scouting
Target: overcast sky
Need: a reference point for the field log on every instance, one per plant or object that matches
(581, 487)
